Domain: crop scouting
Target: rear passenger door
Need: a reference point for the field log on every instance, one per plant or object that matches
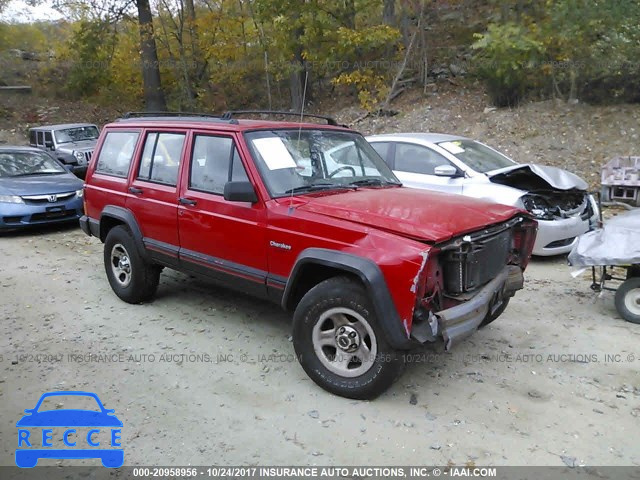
(223, 240)
(153, 192)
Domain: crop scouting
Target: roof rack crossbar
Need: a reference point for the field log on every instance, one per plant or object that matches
(230, 114)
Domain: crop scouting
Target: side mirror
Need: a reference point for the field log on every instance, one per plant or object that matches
(446, 171)
(240, 192)
(48, 144)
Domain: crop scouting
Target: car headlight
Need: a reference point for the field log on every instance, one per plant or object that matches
(79, 155)
(80, 193)
(537, 207)
(10, 199)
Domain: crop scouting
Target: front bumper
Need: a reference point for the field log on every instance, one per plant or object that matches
(458, 322)
(20, 215)
(557, 237)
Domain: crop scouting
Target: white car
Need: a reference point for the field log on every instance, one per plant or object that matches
(556, 198)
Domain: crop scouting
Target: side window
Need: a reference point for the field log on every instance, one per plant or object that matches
(417, 159)
(215, 161)
(48, 138)
(41, 139)
(383, 150)
(116, 153)
(161, 158)
(33, 137)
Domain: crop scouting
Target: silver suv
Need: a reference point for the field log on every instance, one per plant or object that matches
(71, 143)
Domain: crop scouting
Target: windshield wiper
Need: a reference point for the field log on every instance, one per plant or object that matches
(316, 187)
(367, 182)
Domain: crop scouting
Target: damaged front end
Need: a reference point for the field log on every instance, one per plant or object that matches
(555, 197)
(474, 276)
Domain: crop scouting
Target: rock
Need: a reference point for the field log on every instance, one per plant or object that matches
(314, 414)
(435, 446)
(489, 109)
(414, 399)
(569, 461)
(408, 424)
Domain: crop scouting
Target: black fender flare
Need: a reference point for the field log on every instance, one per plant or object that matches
(373, 280)
(127, 218)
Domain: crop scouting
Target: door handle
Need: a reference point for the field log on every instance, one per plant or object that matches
(187, 201)
(135, 191)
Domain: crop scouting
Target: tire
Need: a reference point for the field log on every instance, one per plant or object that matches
(130, 276)
(628, 300)
(337, 312)
(493, 316)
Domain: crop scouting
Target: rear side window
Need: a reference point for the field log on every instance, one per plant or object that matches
(33, 137)
(161, 158)
(116, 153)
(215, 162)
(383, 150)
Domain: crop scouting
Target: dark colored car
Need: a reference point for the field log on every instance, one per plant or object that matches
(310, 217)
(71, 143)
(36, 189)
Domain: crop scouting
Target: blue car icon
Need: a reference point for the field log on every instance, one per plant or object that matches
(96, 420)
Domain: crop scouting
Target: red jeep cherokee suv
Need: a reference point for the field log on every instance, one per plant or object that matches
(310, 217)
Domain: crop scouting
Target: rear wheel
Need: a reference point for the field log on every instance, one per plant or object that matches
(628, 300)
(339, 343)
(132, 278)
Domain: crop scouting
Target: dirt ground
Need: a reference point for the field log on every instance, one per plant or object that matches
(533, 388)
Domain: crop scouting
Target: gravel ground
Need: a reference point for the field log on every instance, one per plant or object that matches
(535, 387)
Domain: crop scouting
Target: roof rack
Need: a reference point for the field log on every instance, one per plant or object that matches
(160, 114)
(232, 113)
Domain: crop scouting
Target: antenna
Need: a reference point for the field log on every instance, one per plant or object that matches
(304, 96)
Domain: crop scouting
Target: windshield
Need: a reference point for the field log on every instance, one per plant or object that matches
(76, 134)
(477, 156)
(300, 161)
(20, 164)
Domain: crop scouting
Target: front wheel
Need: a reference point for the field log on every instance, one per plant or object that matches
(339, 343)
(490, 317)
(132, 278)
(628, 300)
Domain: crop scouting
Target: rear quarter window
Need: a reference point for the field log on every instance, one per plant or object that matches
(116, 153)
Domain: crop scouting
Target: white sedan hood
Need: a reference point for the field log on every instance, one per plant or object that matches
(556, 178)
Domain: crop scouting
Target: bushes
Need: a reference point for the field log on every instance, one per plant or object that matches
(572, 48)
(508, 60)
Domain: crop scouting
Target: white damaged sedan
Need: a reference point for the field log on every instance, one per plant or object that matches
(558, 199)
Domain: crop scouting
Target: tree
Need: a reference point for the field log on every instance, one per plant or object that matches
(154, 98)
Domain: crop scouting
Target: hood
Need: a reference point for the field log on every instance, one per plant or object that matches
(418, 214)
(537, 177)
(40, 184)
(85, 145)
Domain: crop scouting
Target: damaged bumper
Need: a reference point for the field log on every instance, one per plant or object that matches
(456, 323)
(556, 237)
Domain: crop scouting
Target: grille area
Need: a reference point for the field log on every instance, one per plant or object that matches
(57, 214)
(474, 263)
